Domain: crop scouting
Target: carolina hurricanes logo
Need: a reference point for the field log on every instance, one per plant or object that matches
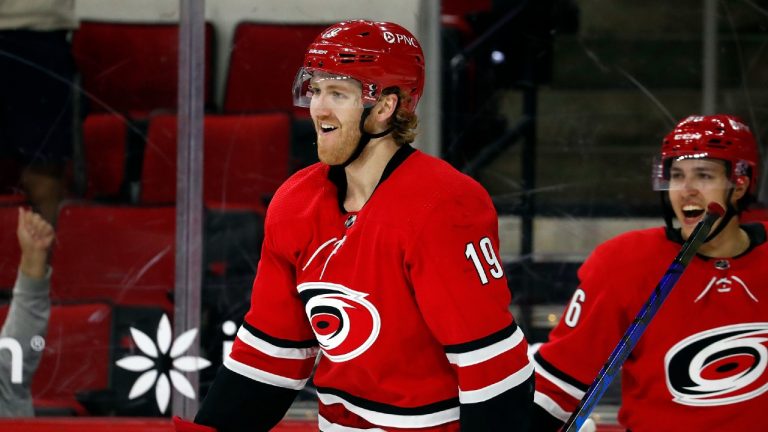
(720, 366)
(331, 33)
(344, 322)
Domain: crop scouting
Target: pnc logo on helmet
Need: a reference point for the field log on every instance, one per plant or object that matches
(719, 366)
(344, 322)
(390, 37)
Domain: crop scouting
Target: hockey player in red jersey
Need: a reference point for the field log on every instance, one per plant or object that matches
(381, 262)
(702, 363)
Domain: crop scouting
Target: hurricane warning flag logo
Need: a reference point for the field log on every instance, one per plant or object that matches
(719, 366)
(344, 322)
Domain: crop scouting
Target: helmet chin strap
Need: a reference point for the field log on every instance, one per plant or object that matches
(669, 214)
(729, 213)
(365, 138)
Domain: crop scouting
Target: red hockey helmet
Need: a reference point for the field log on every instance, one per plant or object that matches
(720, 136)
(377, 54)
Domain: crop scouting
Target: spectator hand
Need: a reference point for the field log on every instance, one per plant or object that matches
(35, 237)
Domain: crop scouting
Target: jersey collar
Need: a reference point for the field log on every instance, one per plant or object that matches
(337, 176)
(755, 231)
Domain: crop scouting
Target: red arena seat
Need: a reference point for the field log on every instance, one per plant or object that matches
(132, 68)
(246, 158)
(76, 357)
(9, 258)
(254, 87)
(120, 254)
(104, 141)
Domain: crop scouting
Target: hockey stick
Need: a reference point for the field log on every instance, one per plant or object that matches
(643, 318)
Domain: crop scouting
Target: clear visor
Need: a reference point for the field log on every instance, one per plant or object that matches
(689, 172)
(335, 91)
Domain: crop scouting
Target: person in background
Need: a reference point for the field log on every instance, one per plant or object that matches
(380, 260)
(36, 97)
(702, 363)
(28, 314)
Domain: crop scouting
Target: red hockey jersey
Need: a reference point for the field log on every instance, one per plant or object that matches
(405, 301)
(702, 363)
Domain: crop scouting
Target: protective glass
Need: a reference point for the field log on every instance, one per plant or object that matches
(335, 91)
(689, 172)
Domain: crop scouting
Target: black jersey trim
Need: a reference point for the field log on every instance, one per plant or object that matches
(483, 342)
(674, 235)
(397, 159)
(338, 176)
(755, 231)
(557, 373)
(508, 411)
(282, 343)
(237, 403)
(391, 409)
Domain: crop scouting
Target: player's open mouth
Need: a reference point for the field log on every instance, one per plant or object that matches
(692, 211)
(326, 128)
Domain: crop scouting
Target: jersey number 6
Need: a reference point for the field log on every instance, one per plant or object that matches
(573, 313)
(490, 258)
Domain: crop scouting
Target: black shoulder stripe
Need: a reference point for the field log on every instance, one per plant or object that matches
(391, 409)
(483, 342)
(557, 373)
(282, 343)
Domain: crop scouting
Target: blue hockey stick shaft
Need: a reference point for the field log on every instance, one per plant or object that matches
(643, 318)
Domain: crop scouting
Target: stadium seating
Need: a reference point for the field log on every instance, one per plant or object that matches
(76, 357)
(132, 68)
(264, 61)
(245, 159)
(10, 171)
(464, 7)
(9, 258)
(104, 142)
(119, 254)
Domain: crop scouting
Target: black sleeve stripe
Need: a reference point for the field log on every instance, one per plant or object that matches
(236, 403)
(282, 343)
(543, 421)
(557, 373)
(391, 409)
(482, 342)
(509, 411)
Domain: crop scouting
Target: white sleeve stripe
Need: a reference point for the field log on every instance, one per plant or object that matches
(274, 351)
(486, 353)
(495, 389)
(550, 406)
(327, 426)
(263, 376)
(564, 386)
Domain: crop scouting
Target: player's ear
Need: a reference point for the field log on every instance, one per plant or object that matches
(740, 187)
(386, 106)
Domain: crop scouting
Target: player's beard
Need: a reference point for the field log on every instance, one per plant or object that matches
(336, 148)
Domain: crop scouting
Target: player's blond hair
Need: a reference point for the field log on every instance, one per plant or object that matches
(403, 122)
